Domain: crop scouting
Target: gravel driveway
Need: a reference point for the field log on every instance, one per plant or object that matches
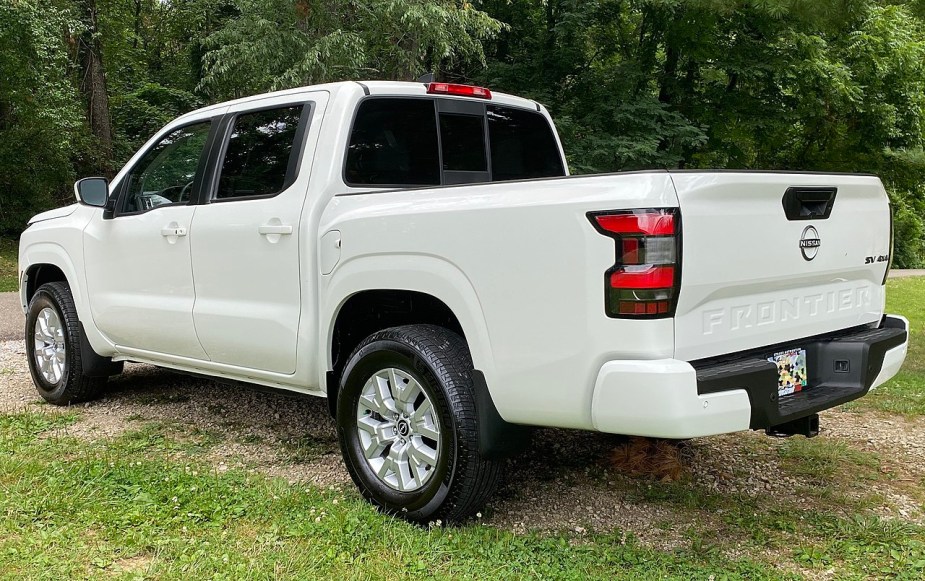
(564, 482)
(11, 317)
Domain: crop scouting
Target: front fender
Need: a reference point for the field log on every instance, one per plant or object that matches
(52, 253)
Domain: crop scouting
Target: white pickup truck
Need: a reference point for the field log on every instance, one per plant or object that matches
(418, 254)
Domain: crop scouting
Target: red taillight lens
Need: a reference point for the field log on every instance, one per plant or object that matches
(644, 280)
(460, 90)
(648, 223)
(649, 277)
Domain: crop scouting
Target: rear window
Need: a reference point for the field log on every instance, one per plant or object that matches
(463, 139)
(394, 142)
(522, 145)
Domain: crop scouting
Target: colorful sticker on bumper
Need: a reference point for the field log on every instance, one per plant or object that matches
(791, 370)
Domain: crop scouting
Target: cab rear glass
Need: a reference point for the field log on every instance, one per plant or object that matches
(413, 142)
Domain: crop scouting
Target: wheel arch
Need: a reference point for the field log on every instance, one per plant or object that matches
(45, 262)
(437, 291)
(48, 262)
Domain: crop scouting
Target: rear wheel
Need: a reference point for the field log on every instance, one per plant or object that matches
(408, 428)
(53, 347)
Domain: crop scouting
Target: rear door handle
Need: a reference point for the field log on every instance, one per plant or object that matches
(284, 229)
(173, 231)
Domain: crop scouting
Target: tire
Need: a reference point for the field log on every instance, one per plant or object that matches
(53, 347)
(444, 477)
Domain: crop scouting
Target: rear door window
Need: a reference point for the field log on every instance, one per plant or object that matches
(259, 157)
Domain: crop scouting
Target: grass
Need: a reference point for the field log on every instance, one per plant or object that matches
(9, 274)
(821, 526)
(905, 393)
(147, 505)
(131, 508)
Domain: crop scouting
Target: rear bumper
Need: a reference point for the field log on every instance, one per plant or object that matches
(669, 398)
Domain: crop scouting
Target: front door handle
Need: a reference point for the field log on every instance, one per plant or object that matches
(283, 229)
(173, 231)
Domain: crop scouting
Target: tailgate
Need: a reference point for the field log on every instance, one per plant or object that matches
(771, 258)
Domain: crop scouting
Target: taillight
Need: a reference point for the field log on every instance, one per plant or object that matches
(645, 278)
(889, 263)
(460, 90)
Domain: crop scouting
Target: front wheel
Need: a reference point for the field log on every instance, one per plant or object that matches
(53, 347)
(408, 427)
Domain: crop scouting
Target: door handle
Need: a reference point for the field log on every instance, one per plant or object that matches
(284, 229)
(173, 231)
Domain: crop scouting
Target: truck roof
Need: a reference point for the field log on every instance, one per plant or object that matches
(379, 88)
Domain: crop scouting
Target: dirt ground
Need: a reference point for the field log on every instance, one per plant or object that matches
(12, 320)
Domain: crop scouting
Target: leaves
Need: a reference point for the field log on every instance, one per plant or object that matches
(281, 44)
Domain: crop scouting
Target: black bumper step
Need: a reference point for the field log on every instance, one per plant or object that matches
(841, 367)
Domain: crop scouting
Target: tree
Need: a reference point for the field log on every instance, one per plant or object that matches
(280, 43)
(41, 120)
(93, 80)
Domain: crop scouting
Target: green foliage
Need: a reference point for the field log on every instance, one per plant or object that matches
(138, 114)
(752, 84)
(830, 85)
(40, 118)
(280, 43)
(9, 271)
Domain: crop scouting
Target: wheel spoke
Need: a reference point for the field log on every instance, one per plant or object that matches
(399, 457)
(383, 395)
(421, 473)
(422, 453)
(422, 411)
(370, 403)
(424, 421)
(376, 442)
(407, 392)
(388, 465)
(42, 326)
(427, 431)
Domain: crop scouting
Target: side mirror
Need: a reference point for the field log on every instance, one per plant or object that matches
(92, 191)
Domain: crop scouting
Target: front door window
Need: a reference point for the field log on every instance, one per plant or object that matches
(167, 173)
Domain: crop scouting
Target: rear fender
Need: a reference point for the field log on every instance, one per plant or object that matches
(412, 272)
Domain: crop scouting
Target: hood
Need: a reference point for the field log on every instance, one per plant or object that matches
(56, 213)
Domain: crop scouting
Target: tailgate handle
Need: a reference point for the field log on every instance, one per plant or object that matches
(809, 202)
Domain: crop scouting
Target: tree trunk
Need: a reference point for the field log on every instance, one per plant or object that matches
(93, 83)
(137, 24)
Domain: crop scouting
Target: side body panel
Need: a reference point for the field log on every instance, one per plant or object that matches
(249, 287)
(523, 270)
(140, 276)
